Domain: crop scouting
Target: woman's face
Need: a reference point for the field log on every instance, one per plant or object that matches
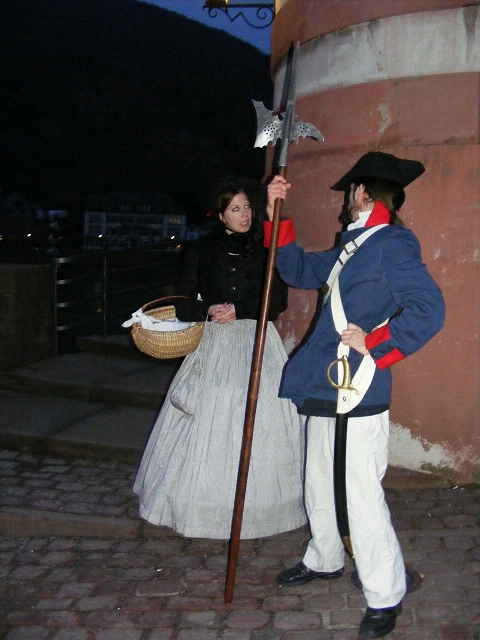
(238, 214)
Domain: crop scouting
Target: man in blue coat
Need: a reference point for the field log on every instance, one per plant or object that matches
(380, 306)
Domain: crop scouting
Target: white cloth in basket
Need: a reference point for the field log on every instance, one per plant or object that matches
(150, 323)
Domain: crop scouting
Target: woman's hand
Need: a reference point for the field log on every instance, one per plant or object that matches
(222, 313)
(354, 337)
(277, 188)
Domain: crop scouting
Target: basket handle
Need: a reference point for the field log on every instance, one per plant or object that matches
(162, 299)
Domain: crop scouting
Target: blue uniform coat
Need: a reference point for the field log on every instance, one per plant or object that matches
(385, 278)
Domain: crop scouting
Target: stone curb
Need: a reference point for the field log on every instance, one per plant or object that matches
(100, 393)
(25, 523)
(51, 445)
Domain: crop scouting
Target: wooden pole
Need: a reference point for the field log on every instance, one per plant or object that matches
(252, 398)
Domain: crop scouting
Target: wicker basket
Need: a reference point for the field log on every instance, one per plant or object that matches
(166, 344)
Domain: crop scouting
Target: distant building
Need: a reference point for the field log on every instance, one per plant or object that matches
(122, 221)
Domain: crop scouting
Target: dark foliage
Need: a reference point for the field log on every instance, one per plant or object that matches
(120, 95)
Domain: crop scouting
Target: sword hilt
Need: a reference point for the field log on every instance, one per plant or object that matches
(347, 378)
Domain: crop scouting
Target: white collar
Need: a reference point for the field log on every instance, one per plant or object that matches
(361, 222)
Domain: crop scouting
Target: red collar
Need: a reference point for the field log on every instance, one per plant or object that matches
(380, 215)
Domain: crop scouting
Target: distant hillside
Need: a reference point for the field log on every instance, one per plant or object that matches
(100, 95)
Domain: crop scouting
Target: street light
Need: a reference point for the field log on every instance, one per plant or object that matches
(265, 11)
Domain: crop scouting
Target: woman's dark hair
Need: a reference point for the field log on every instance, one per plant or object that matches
(389, 192)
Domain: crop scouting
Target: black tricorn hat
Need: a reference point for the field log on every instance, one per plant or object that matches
(376, 164)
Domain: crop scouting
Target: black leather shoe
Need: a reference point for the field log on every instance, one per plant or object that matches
(300, 574)
(377, 623)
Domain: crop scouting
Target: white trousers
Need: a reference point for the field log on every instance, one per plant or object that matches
(378, 557)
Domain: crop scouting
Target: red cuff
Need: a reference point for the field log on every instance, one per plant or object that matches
(390, 358)
(377, 336)
(285, 236)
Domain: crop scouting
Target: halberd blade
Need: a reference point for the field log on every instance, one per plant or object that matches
(269, 127)
(304, 130)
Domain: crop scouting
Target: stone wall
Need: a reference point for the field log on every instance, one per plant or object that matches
(26, 314)
(403, 77)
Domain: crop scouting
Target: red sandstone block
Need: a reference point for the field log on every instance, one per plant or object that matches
(20, 618)
(38, 588)
(197, 634)
(62, 544)
(436, 568)
(159, 618)
(63, 575)
(216, 562)
(259, 564)
(342, 586)
(182, 603)
(200, 619)
(207, 547)
(54, 604)
(164, 547)
(97, 603)
(244, 604)
(254, 620)
(458, 581)
(62, 619)
(142, 604)
(430, 522)
(57, 557)
(198, 575)
(423, 632)
(160, 634)
(28, 633)
(235, 634)
(112, 634)
(345, 618)
(267, 590)
(205, 589)
(29, 573)
(186, 562)
(6, 558)
(292, 549)
(472, 595)
(158, 588)
(459, 521)
(324, 602)
(297, 621)
(443, 555)
(71, 634)
(95, 545)
(75, 589)
(131, 560)
(282, 603)
(472, 567)
(112, 620)
(128, 546)
(435, 614)
(316, 635)
(356, 600)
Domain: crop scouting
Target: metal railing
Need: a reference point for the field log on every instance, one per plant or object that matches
(93, 293)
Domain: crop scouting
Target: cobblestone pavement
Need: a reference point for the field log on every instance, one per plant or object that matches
(76, 563)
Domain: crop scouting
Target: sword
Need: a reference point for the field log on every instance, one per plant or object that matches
(270, 129)
(340, 455)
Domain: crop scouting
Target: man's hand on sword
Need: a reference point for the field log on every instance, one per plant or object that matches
(354, 337)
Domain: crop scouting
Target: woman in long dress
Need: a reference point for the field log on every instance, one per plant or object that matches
(187, 476)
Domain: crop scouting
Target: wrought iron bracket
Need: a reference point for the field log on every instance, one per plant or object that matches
(264, 14)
